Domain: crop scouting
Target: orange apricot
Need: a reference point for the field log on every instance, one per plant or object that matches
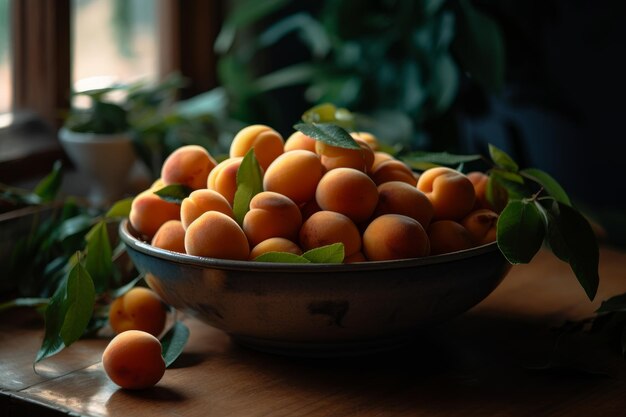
(299, 140)
(333, 157)
(216, 235)
(368, 138)
(450, 192)
(347, 191)
(267, 144)
(394, 236)
(481, 225)
(294, 174)
(328, 227)
(355, 257)
(397, 197)
(448, 236)
(148, 212)
(201, 201)
(393, 170)
(275, 244)
(138, 309)
(223, 178)
(271, 215)
(133, 360)
(379, 158)
(188, 165)
(170, 236)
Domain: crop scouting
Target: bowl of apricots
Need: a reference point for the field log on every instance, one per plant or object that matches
(409, 249)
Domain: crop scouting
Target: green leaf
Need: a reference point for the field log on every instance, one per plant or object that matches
(438, 158)
(98, 261)
(301, 73)
(329, 254)
(120, 208)
(79, 301)
(520, 231)
(615, 303)
(328, 133)
(507, 175)
(281, 257)
(174, 193)
(502, 159)
(444, 83)
(548, 183)
(24, 302)
(572, 240)
(249, 184)
(54, 315)
(479, 47)
(173, 342)
(48, 187)
(74, 225)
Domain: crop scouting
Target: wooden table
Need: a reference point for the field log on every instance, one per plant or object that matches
(487, 362)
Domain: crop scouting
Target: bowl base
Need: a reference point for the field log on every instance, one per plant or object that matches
(323, 350)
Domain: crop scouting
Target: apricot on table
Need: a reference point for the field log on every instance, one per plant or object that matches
(170, 236)
(397, 197)
(133, 360)
(328, 227)
(395, 236)
(275, 244)
(188, 165)
(267, 143)
(148, 212)
(347, 191)
(138, 309)
(481, 225)
(216, 235)
(450, 191)
(271, 215)
(294, 174)
(201, 201)
(448, 236)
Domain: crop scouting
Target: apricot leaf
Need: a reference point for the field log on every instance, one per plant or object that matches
(174, 193)
(281, 257)
(249, 184)
(79, 301)
(548, 183)
(520, 231)
(54, 315)
(48, 187)
(24, 302)
(502, 159)
(572, 240)
(437, 158)
(120, 208)
(98, 260)
(173, 342)
(616, 303)
(328, 133)
(329, 254)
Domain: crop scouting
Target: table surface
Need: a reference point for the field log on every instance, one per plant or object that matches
(499, 359)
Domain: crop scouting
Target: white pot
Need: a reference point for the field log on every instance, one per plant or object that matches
(105, 159)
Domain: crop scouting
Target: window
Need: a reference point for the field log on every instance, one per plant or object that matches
(6, 90)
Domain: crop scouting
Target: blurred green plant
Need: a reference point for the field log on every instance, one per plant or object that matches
(400, 63)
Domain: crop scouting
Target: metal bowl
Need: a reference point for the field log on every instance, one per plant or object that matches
(320, 309)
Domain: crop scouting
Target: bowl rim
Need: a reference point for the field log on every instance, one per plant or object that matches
(146, 248)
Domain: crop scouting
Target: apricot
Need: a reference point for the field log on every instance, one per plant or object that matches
(294, 174)
(133, 360)
(148, 212)
(393, 170)
(500, 196)
(347, 191)
(223, 178)
(397, 197)
(299, 140)
(481, 225)
(394, 236)
(216, 235)
(271, 215)
(333, 157)
(275, 244)
(328, 227)
(267, 144)
(450, 192)
(355, 257)
(170, 236)
(201, 201)
(188, 165)
(368, 138)
(448, 236)
(379, 158)
(138, 309)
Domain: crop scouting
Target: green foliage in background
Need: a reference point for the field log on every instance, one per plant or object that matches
(5, 30)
